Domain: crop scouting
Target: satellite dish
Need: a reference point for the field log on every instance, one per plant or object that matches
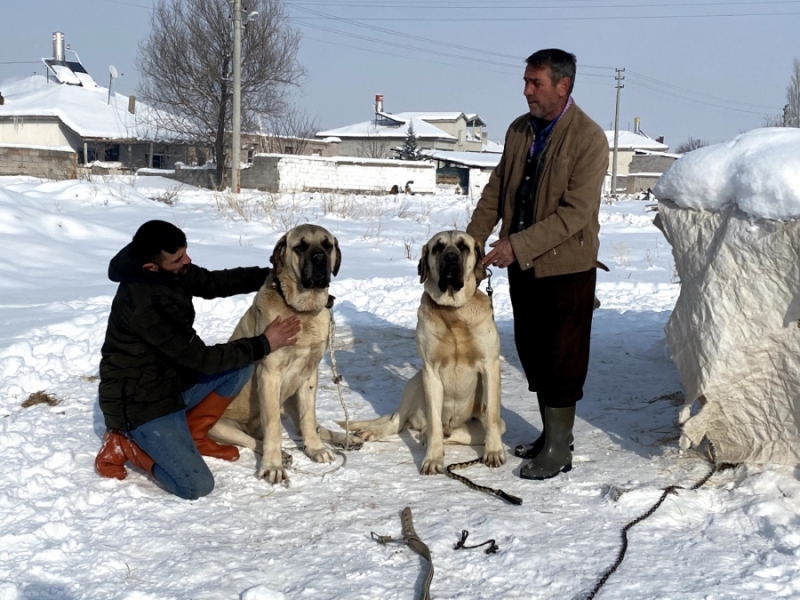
(113, 71)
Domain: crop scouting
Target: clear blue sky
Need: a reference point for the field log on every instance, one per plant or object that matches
(709, 77)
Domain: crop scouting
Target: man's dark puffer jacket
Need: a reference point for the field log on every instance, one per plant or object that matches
(151, 352)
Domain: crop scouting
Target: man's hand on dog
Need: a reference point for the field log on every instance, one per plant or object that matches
(281, 333)
(502, 254)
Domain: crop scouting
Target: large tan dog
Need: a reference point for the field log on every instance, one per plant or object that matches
(304, 260)
(455, 398)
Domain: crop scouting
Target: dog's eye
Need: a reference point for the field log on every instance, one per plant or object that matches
(438, 247)
(301, 247)
(326, 244)
(462, 247)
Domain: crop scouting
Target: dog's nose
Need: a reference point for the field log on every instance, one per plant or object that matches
(319, 258)
(451, 257)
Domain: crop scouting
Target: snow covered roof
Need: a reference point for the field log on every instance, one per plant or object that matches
(438, 116)
(395, 125)
(398, 128)
(630, 140)
(481, 160)
(493, 147)
(84, 109)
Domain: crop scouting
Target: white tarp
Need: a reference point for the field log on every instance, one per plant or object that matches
(734, 334)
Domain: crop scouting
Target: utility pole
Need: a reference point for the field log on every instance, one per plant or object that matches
(236, 144)
(786, 116)
(619, 79)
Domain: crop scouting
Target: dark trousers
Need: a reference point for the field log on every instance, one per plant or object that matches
(552, 329)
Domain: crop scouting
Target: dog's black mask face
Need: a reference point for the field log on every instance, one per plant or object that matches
(451, 267)
(315, 263)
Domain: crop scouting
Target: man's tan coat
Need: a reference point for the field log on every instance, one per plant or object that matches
(564, 236)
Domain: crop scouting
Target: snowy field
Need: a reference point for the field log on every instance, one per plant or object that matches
(67, 534)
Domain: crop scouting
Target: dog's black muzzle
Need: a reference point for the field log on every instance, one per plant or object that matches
(316, 274)
(450, 272)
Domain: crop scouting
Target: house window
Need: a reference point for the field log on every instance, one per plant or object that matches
(288, 149)
(250, 154)
(316, 153)
(159, 161)
(112, 153)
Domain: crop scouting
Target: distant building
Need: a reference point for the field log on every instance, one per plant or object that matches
(52, 124)
(381, 136)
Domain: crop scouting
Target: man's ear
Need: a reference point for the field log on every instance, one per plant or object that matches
(480, 270)
(150, 267)
(422, 267)
(278, 258)
(338, 260)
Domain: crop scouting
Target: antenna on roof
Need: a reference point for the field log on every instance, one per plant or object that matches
(112, 75)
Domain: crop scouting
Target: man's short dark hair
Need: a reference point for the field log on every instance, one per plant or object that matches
(153, 237)
(562, 64)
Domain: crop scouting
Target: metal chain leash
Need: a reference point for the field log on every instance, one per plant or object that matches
(337, 379)
(481, 488)
(672, 489)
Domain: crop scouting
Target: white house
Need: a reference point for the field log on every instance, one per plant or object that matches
(68, 118)
(380, 136)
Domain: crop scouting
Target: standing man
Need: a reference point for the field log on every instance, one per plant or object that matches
(546, 192)
(161, 387)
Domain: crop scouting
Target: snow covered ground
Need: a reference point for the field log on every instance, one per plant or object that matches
(66, 534)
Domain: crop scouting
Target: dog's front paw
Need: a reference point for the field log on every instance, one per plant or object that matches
(320, 455)
(365, 435)
(432, 466)
(273, 474)
(494, 458)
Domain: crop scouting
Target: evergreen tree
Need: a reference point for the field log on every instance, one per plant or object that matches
(410, 150)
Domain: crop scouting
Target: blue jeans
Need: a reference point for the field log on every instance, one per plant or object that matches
(179, 467)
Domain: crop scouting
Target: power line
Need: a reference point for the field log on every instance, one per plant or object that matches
(443, 5)
(675, 87)
(605, 18)
(423, 39)
(667, 94)
(520, 4)
(128, 4)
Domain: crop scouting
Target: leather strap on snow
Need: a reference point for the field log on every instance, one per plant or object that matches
(462, 543)
(481, 488)
(411, 539)
(672, 489)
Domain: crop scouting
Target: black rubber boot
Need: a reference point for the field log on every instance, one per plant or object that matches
(532, 449)
(555, 456)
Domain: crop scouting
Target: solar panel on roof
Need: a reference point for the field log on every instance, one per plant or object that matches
(69, 72)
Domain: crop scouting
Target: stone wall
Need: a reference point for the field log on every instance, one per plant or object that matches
(36, 161)
(650, 163)
(294, 173)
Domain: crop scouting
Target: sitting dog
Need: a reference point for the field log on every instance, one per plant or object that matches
(304, 260)
(455, 398)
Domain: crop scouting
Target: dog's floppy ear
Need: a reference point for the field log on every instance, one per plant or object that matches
(338, 260)
(422, 267)
(278, 257)
(480, 270)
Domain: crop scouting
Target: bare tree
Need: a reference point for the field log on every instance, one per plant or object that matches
(186, 65)
(288, 133)
(792, 109)
(690, 144)
(372, 145)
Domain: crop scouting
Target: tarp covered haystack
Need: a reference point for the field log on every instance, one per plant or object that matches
(734, 332)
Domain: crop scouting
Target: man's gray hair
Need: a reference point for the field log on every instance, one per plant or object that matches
(562, 64)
